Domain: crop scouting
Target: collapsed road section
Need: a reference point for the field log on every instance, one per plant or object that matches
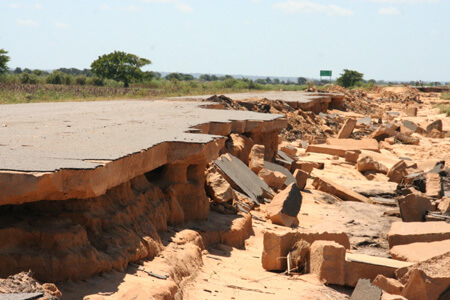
(86, 187)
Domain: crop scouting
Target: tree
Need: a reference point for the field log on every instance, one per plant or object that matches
(302, 80)
(4, 59)
(120, 66)
(349, 78)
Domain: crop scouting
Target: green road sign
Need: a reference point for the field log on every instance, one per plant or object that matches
(325, 73)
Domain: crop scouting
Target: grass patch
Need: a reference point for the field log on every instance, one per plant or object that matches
(444, 108)
(445, 96)
(16, 92)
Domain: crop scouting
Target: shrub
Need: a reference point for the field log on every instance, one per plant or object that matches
(26, 78)
(97, 81)
(80, 80)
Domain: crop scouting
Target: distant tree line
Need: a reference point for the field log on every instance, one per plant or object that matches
(121, 67)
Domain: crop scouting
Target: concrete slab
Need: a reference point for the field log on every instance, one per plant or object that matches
(105, 138)
(402, 233)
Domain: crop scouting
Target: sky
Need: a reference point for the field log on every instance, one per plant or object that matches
(383, 39)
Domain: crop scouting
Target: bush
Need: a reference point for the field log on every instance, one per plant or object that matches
(80, 80)
(55, 78)
(26, 78)
(97, 81)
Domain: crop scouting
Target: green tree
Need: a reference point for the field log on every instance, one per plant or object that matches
(349, 78)
(4, 59)
(119, 66)
(302, 80)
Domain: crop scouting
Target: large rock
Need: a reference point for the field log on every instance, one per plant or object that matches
(285, 206)
(328, 186)
(277, 245)
(347, 129)
(327, 261)
(217, 188)
(426, 280)
(402, 233)
(414, 207)
(256, 158)
(416, 252)
(274, 179)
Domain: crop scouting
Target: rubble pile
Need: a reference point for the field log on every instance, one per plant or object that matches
(364, 168)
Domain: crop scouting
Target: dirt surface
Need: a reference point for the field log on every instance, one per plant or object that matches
(220, 257)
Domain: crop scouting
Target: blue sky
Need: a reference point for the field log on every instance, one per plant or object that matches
(384, 39)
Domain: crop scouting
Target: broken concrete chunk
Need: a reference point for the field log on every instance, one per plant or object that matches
(406, 139)
(426, 280)
(411, 111)
(414, 207)
(285, 206)
(327, 261)
(242, 178)
(256, 158)
(351, 144)
(383, 132)
(289, 150)
(347, 129)
(277, 245)
(239, 146)
(389, 285)
(433, 185)
(277, 168)
(435, 125)
(416, 252)
(274, 179)
(217, 188)
(359, 266)
(397, 172)
(408, 127)
(364, 290)
(301, 177)
(444, 205)
(306, 166)
(328, 186)
(402, 233)
(351, 156)
(367, 163)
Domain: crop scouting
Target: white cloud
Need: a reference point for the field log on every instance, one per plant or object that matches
(299, 6)
(178, 4)
(184, 7)
(105, 7)
(404, 1)
(19, 5)
(28, 22)
(131, 7)
(388, 11)
(61, 25)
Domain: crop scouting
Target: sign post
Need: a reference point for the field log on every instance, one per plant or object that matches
(325, 73)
